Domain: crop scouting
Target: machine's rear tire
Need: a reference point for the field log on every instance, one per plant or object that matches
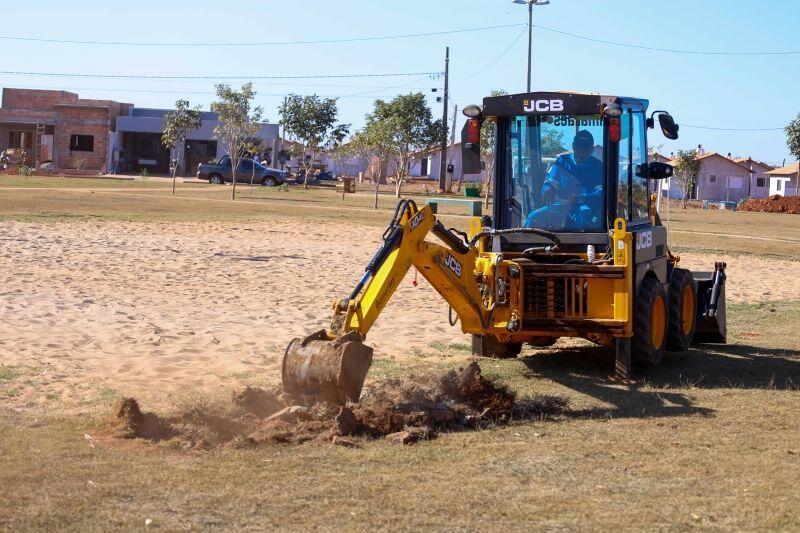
(489, 346)
(682, 310)
(649, 323)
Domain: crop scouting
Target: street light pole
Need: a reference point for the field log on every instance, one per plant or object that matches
(531, 3)
(530, 42)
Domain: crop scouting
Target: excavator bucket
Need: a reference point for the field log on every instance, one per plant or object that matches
(320, 367)
(711, 326)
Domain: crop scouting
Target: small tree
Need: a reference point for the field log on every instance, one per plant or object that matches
(793, 142)
(404, 125)
(311, 121)
(239, 123)
(376, 143)
(687, 167)
(177, 125)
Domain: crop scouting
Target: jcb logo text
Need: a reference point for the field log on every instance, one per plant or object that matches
(453, 264)
(644, 240)
(534, 106)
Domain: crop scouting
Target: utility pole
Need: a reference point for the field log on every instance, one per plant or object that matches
(443, 155)
(530, 4)
(530, 42)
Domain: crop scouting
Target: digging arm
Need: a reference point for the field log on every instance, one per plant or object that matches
(449, 268)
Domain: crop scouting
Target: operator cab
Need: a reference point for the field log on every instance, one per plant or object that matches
(567, 163)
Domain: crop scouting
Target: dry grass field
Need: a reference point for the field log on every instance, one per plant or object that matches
(113, 289)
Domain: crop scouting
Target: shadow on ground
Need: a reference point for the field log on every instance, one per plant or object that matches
(661, 391)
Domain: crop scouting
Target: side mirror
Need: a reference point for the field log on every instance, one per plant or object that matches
(654, 171)
(668, 126)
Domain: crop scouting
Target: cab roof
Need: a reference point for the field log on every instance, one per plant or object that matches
(552, 102)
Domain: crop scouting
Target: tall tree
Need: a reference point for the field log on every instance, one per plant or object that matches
(239, 123)
(687, 167)
(793, 142)
(311, 121)
(178, 125)
(404, 125)
(488, 133)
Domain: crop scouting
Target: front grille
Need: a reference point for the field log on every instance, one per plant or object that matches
(554, 296)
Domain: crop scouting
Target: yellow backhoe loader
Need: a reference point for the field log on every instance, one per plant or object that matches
(573, 248)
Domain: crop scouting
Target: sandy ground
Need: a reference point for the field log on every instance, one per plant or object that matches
(90, 311)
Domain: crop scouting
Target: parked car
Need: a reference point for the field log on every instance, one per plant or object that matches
(247, 169)
(319, 175)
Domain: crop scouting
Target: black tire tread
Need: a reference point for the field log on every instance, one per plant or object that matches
(677, 340)
(642, 351)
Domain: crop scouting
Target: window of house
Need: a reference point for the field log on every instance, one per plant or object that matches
(761, 182)
(81, 143)
(712, 178)
(778, 184)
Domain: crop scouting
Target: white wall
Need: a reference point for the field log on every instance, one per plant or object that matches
(777, 185)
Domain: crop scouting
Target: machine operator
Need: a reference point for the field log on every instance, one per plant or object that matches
(573, 189)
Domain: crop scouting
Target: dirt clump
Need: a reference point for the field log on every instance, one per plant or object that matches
(401, 411)
(773, 204)
(132, 423)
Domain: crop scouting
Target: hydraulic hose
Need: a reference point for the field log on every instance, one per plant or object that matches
(535, 231)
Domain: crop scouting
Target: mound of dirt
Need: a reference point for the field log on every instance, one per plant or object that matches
(400, 410)
(774, 204)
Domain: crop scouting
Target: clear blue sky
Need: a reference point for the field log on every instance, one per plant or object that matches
(715, 91)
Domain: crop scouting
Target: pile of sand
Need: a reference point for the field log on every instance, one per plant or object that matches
(401, 411)
(774, 204)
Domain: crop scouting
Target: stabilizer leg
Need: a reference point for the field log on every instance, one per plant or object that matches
(622, 363)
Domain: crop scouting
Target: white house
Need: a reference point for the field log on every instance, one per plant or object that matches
(719, 179)
(428, 165)
(783, 181)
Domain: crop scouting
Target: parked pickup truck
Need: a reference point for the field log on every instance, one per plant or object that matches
(247, 169)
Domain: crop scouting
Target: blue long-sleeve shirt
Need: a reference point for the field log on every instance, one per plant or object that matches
(568, 178)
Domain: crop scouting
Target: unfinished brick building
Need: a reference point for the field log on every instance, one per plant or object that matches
(59, 126)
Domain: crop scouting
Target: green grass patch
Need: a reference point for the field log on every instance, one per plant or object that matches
(9, 372)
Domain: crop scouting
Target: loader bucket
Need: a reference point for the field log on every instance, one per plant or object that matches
(711, 326)
(323, 368)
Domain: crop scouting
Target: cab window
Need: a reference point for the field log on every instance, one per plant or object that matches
(623, 180)
(632, 195)
(555, 173)
(639, 194)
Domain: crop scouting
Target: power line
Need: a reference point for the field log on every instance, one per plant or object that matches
(729, 129)
(263, 43)
(670, 50)
(382, 89)
(151, 77)
(498, 58)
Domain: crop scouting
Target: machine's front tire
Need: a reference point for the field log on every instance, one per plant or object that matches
(649, 323)
(489, 346)
(682, 310)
